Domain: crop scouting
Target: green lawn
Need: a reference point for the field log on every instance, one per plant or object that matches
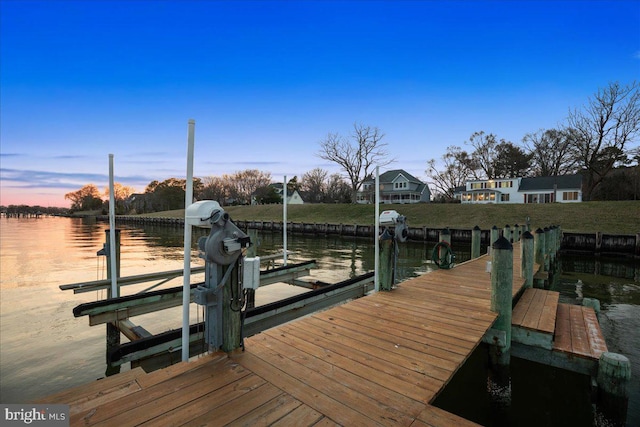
(608, 217)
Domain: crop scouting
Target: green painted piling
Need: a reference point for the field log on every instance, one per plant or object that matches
(476, 235)
(506, 233)
(539, 254)
(614, 378)
(547, 248)
(516, 233)
(501, 295)
(445, 236)
(112, 330)
(528, 254)
(385, 273)
(495, 234)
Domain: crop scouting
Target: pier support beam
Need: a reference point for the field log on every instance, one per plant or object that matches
(538, 243)
(387, 253)
(495, 234)
(501, 297)
(112, 331)
(614, 376)
(476, 235)
(527, 247)
(506, 233)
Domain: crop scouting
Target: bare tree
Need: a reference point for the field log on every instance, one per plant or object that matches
(215, 188)
(454, 173)
(357, 158)
(552, 150)
(604, 129)
(484, 155)
(314, 183)
(244, 183)
(338, 190)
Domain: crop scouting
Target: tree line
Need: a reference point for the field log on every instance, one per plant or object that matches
(240, 188)
(595, 141)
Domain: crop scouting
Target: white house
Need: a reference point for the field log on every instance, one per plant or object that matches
(293, 198)
(396, 186)
(545, 189)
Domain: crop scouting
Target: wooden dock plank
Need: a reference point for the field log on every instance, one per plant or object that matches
(325, 404)
(301, 416)
(436, 417)
(420, 384)
(272, 412)
(532, 318)
(521, 308)
(594, 333)
(379, 404)
(227, 413)
(398, 379)
(160, 398)
(387, 351)
(408, 328)
(579, 339)
(562, 337)
(547, 322)
(101, 387)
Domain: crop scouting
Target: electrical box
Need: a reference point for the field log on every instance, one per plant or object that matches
(251, 273)
(199, 213)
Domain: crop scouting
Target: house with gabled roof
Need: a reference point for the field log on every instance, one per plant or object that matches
(396, 186)
(543, 189)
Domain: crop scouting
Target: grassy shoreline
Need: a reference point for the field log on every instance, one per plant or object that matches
(621, 217)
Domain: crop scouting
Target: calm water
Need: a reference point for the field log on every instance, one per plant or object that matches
(45, 349)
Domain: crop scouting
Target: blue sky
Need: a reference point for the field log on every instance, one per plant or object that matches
(266, 81)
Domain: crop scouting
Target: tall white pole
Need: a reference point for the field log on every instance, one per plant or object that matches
(186, 283)
(284, 220)
(376, 261)
(112, 233)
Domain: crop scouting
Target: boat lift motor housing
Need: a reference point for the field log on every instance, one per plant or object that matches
(399, 222)
(220, 250)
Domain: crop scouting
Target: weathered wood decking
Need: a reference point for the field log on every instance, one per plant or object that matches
(378, 360)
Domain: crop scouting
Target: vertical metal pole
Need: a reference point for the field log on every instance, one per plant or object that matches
(186, 282)
(284, 220)
(376, 232)
(112, 236)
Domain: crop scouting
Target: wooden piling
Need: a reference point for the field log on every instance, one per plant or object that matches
(527, 258)
(516, 233)
(112, 331)
(386, 273)
(495, 234)
(614, 377)
(506, 233)
(547, 248)
(476, 235)
(501, 296)
(231, 311)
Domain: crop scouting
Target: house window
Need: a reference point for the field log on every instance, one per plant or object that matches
(504, 197)
(400, 185)
(570, 195)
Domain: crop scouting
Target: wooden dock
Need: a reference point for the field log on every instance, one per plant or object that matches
(377, 360)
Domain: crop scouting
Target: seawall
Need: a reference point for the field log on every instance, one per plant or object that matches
(597, 243)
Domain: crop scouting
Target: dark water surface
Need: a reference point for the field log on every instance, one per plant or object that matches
(44, 349)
